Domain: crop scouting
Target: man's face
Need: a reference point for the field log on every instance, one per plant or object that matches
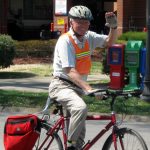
(80, 26)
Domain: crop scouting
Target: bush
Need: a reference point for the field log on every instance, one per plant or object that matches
(105, 68)
(35, 48)
(140, 36)
(7, 51)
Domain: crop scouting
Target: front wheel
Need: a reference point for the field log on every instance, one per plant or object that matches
(127, 139)
(53, 143)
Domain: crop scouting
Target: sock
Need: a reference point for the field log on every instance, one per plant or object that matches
(71, 143)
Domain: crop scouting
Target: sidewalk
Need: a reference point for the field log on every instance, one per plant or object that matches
(37, 84)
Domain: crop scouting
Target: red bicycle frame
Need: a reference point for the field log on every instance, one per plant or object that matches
(112, 122)
(60, 124)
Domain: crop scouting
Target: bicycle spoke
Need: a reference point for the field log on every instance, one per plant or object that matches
(53, 143)
(127, 139)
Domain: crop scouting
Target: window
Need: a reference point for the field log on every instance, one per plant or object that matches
(38, 9)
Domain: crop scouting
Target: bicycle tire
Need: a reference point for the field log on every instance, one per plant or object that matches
(132, 140)
(56, 144)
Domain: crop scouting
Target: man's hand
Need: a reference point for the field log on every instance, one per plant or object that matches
(97, 93)
(91, 91)
(111, 20)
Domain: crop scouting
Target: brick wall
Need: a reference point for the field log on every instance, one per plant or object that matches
(120, 16)
(131, 15)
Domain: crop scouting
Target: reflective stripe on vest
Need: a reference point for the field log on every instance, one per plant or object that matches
(83, 57)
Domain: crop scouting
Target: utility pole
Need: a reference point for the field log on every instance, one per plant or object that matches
(146, 92)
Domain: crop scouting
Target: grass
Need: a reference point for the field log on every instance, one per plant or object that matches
(21, 71)
(41, 70)
(11, 98)
(133, 106)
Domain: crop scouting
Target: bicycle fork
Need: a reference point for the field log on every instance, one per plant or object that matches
(117, 137)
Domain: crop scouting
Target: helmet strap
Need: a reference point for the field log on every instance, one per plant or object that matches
(76, 34)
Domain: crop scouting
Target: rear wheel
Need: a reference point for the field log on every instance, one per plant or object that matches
(53, 142)
(127, 139)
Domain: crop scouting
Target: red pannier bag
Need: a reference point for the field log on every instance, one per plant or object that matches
(21, 132)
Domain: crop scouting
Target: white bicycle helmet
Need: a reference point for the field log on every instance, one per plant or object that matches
(80, 12)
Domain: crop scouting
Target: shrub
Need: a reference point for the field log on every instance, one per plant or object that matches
(121, 42)
(140, 36)
(7, 51)
(35, 48)
(105, 68)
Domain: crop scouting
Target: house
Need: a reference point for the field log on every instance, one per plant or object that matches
(21, 17)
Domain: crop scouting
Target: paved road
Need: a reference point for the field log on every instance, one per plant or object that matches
(92, 127)
(41, 84)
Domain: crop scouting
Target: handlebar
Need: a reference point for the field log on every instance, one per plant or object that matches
(110, 93)
(113, 94)
(106, 93)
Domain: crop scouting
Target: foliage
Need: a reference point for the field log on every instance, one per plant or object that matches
(35, 48)
(7, 51)
(105, 68)
(140, 36)
(121, 42)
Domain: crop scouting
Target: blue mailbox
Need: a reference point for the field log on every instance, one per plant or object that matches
(142, 66)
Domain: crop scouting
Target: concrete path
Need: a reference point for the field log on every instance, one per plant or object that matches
(37, 84)
(92, 129)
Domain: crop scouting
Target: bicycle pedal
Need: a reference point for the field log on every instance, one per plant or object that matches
(71, 148)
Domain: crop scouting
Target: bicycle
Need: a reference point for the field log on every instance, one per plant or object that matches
(120, 138)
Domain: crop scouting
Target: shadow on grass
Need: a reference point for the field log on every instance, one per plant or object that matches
(15, 75)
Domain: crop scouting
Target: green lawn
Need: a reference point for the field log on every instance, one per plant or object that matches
(41, 70)
(133, 106)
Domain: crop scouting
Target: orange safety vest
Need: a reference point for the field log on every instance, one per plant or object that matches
(83, 57)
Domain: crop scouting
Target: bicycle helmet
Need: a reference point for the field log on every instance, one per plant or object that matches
(80, 12)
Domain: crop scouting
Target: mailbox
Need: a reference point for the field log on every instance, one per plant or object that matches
(132, 57)
(115, 60)
(142, 66)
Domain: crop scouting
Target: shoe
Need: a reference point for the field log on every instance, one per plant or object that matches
(71, 148)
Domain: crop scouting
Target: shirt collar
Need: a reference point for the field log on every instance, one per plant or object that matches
(75, 38)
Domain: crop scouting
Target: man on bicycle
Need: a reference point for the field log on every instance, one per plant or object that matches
(72, 63)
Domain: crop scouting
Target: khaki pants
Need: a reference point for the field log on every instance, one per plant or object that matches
(65, 94)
